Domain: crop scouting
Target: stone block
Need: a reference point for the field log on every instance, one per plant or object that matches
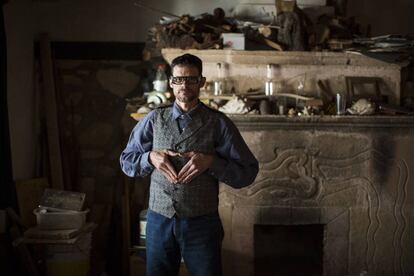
(243, 220)
(243, 245)
(277, 215)
(226, 215)
(305, 215)
(338, 226)
(335, 256)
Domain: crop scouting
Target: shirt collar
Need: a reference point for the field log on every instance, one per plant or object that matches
(177, 112)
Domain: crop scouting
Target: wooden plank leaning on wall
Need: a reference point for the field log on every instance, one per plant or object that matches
(49, 90)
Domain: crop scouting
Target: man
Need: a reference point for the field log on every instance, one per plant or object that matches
(187, 148)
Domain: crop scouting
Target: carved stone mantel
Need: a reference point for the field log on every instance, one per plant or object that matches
(350, 174)
(261, 122)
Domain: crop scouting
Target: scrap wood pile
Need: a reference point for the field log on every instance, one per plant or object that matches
(188, 32)
(290, 30)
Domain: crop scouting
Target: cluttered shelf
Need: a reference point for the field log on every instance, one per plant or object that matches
(247, 121)
(296, 84)
(315, 52)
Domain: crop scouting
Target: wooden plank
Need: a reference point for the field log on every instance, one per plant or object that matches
(29, 193)
(55, 158)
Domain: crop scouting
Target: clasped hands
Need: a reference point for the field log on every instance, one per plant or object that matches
(198, 163)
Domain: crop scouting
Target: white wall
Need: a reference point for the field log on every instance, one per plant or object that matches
(108, 20)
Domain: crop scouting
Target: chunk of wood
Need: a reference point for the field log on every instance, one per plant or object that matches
(273, 44)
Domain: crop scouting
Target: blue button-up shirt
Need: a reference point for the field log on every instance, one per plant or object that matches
(233, 164)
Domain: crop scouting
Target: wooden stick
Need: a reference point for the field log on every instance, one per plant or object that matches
(139, 4)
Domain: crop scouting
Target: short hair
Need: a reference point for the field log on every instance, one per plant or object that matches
(189, 60)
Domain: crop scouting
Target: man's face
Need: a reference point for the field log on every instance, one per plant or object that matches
(186, 91)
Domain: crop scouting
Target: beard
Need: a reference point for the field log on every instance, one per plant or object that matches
(187, 96)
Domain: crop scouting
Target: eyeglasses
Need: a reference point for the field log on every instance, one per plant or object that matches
(187, 79)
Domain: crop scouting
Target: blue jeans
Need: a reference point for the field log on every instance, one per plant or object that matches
(197, 240)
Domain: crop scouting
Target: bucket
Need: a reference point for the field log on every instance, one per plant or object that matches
(142, 226)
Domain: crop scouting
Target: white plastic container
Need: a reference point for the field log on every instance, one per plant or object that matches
(233, 41)
(60, 220)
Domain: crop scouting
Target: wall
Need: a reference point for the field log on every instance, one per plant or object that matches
(385, 17)
(106, 20)
(66, 20)
(111, 20)
(19, 23)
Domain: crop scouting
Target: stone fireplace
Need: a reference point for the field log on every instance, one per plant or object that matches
(344, 181)
(333, 194)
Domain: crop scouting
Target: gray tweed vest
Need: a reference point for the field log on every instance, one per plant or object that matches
(200, 196)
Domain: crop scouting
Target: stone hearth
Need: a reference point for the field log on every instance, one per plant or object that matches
(349, 174)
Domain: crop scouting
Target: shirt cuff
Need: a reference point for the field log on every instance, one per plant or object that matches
(145, 164)
(217, 167)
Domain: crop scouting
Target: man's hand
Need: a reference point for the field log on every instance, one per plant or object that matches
(159, 159)
(198, 163)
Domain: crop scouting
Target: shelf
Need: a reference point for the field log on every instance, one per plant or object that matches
(282, 58)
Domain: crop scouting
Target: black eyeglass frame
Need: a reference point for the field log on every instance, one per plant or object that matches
(189, 79)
